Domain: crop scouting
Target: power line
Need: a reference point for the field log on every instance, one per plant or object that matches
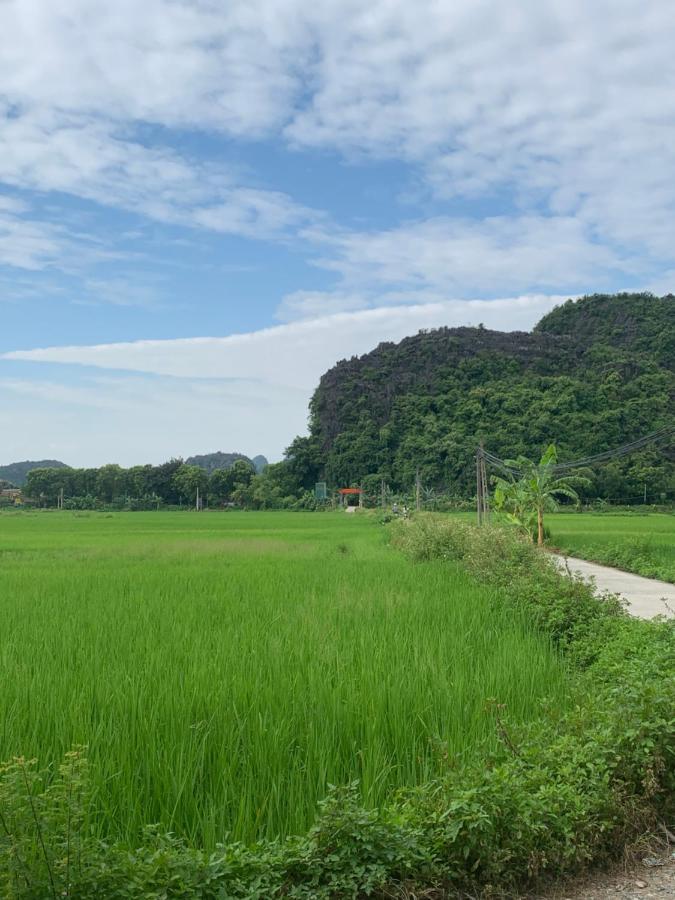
(584, 462)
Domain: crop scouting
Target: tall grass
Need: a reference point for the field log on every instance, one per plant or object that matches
(224, 669)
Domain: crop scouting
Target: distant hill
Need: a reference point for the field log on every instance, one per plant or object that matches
(16, 472)
(260, 462)
(210, 462)
(594, 374)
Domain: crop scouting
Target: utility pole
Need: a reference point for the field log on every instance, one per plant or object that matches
(479, 486)
(384, 494)
(417, 490)
(485, 493)
(482, 493)
(197, 501)
(645, 499)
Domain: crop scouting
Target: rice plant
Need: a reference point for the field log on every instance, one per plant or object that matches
(225, 668)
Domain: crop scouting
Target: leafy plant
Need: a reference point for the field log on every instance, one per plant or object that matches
(525, 500)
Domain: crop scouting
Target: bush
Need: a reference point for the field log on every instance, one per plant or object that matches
(566, 791)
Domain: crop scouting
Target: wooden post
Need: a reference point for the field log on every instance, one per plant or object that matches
(418, 503)
(384, 494)
(485, 494)
(479, 485)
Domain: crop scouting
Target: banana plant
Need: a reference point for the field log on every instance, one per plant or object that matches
(525, 500)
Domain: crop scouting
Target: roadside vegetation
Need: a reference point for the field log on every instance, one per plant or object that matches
(636, 541)
(557, 785)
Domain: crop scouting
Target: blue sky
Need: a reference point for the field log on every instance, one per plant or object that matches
(204, 206)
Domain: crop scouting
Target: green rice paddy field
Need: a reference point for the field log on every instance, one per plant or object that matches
(638, 543)
(225, 668)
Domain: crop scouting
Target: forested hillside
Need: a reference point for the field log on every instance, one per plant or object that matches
(594, 374)
(211, 462)
(16, 473)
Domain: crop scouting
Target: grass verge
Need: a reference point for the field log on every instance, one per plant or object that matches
(558, 795)
(640, 543)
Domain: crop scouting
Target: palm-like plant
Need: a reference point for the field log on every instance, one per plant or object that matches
(525, 500)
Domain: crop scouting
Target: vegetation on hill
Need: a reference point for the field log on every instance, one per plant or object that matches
(260, 462)
(16, 473)
(210, 462)
(173, 483)
(594, 374)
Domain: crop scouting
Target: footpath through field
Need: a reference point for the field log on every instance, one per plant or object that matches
(646, 597)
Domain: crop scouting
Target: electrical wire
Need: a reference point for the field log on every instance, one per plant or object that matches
(655, 437)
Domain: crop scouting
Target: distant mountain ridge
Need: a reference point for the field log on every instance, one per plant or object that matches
(211, 462)
(16, 473)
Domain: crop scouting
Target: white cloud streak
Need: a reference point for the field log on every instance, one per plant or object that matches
(293, 355)
(134, 419)
(244, 391)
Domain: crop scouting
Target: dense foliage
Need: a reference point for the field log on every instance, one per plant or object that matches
(173, 483)
(565, 792)
(210, 462)
(16, 473)
(524, 498)
(593, 375)
(222, 478)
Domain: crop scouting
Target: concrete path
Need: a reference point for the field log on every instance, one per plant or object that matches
(646, 597)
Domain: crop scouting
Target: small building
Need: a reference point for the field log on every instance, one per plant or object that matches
(347, 493)
(11, 495)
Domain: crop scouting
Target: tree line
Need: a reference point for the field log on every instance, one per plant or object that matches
(171, 484)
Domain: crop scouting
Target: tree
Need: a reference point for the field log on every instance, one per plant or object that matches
(109, 482)
(160, 481)
(224, 484)
(189, 480)
(220, 485)
(526, 499)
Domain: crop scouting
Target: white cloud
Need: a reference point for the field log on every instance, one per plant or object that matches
(247, 392)
(314, 304)
(136, 419)
(295, 355)
(564, 108)
(459, 255)
(28, 245)
(182, 64)
(96, 160)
